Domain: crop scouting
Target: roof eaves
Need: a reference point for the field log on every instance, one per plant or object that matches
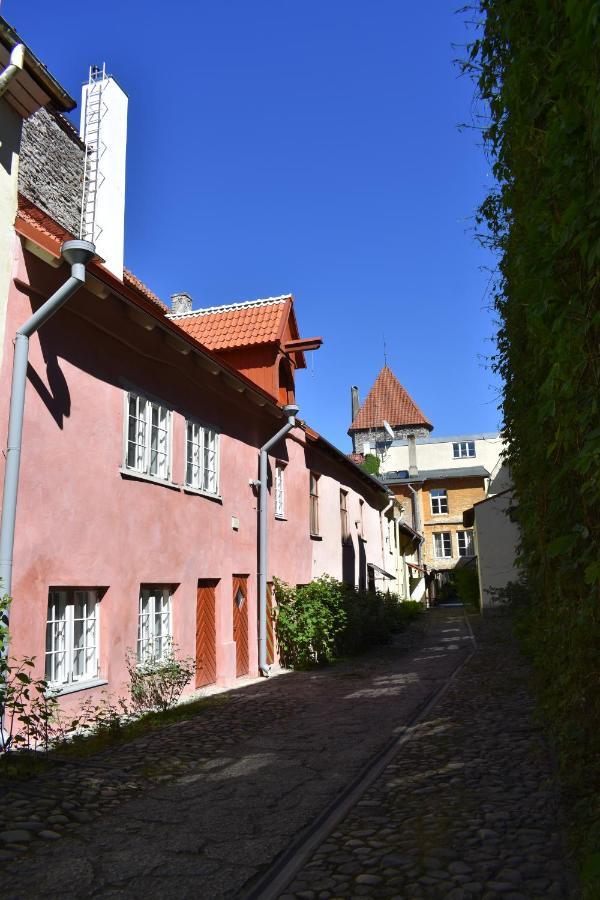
(36, 69)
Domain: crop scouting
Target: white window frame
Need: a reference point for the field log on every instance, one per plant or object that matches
(149, 636)
(462, 450)
(201, 485)
(143, 453)
(314, 519)
(279, 487)
(445, 545)
(61, 627)
(344, 520)
(467, 538)
(440, 496)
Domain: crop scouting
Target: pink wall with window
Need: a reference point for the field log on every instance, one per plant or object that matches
(83, 522)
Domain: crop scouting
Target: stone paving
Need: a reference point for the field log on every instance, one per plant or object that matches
(204, 808)
(201, 808)
(468, 808)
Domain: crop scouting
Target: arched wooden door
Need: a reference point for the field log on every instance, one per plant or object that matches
(206, 638)
(240, 624)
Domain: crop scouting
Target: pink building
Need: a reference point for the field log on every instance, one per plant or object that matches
(137, 516)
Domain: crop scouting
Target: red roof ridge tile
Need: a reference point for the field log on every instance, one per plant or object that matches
(232, 307)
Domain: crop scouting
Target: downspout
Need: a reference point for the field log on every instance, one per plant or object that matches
(78, 254)
(17, 59)
(416, 519)
(381, 521)
(292, 411)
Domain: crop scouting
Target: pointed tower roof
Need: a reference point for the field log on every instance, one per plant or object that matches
(388, 400)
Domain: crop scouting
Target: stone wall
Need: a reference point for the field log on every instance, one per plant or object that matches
(378, 439)
(51, 167)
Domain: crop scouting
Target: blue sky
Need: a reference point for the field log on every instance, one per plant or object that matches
(308, 147)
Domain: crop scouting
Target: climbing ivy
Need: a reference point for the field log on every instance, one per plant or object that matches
(536, 66)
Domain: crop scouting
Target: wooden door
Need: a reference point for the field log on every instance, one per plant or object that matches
(270, 625)
(240, 623)
(206, 638)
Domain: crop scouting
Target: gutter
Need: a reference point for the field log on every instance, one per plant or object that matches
(17, 60)
(78, 254)
(291, 411)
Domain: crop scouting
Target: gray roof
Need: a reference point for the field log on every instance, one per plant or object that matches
(402, 477)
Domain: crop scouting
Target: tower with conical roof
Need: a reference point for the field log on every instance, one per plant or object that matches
(388, 402)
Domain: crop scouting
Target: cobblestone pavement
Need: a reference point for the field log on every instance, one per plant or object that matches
(202, 807)
(468, 808)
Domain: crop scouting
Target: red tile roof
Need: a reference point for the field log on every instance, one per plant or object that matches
(46, 227)
(237, 324)
(388, 400)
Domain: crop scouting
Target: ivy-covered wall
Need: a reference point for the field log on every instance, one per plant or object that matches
(537, 70)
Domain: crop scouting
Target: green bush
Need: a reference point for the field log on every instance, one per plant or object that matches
(466, 582)
(327, 618)
(537, 71)
(157, 684)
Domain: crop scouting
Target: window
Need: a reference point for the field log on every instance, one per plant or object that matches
(439, 501)
(155, 631)
(442, 544)
(314, 503)
(465, 543)
(279, 491)
(361, 521)
(148, 437)
(71, 636)
(202, 458)
(462, 449)
(344, 516)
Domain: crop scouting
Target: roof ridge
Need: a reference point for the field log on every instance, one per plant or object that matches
(231, 307)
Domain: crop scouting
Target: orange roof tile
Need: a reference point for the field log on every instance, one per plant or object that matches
(45, 226)
(388, 400)
(237, 324)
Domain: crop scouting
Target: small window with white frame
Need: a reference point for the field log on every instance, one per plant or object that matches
(148, 439)
(442, 544)
(463, 449)
(279, 490)
(155, 628)
(465, 543)
(439, 501)
(71, 636)
(314, 503)
(202, 458)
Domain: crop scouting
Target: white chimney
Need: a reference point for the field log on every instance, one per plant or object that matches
(413, 470)
(103, 128)
(180, 304)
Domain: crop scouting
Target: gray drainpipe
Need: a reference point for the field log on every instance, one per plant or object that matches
(78, 254)
(17, 60)
(292, 412)
(416, 519)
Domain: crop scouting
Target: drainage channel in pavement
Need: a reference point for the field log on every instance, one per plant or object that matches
(272, 883)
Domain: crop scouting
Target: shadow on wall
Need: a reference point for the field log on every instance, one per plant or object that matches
(348, 563)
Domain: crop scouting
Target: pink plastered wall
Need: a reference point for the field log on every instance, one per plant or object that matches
(82, 523)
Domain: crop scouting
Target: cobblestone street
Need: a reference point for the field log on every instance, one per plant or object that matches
(206, 807)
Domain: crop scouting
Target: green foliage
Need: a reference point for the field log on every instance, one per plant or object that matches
(537, 70)
(157, 684)
(466, 581)
(371, 464)
(326, 618)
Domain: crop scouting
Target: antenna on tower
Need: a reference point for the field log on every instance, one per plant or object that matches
(384, 351)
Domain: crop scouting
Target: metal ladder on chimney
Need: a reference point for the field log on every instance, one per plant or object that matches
(94, 149)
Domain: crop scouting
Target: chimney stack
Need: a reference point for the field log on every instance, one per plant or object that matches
(355, 401)
(180, 303)
(103, 129)
(413, 471)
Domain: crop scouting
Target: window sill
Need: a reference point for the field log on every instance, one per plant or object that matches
(281, 518)
(141, 476)
(316, 537)
(74, 687)
(187, 489)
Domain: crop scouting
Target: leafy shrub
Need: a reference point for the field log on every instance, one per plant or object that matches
(157, 684)
(371, 464)
(328, 618)
(466, 581)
